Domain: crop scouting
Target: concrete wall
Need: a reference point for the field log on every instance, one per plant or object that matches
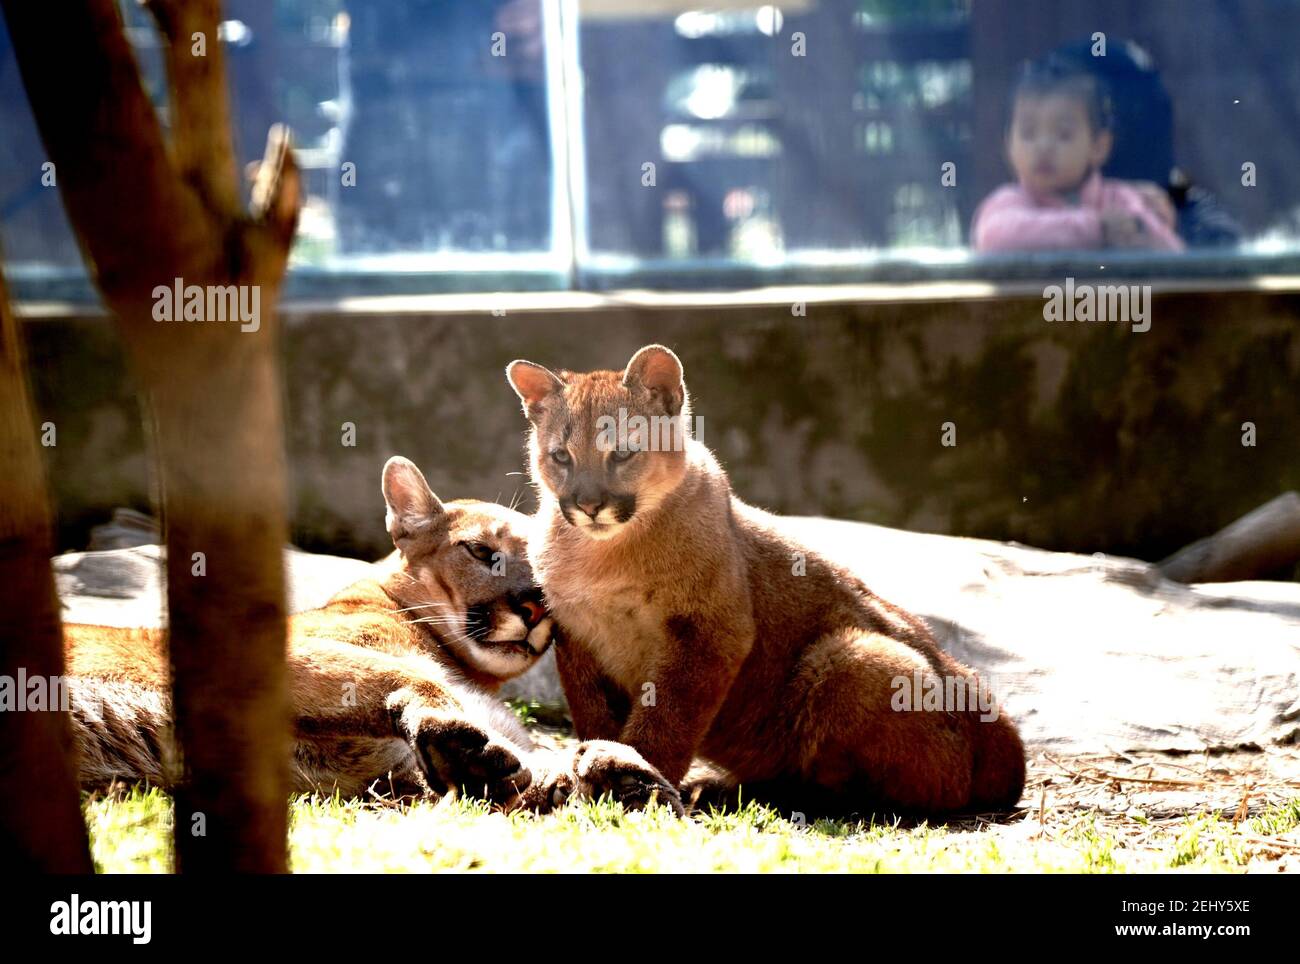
(1087, 437)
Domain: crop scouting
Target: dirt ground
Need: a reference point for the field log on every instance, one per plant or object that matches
(1135, 798)
(1164, 789)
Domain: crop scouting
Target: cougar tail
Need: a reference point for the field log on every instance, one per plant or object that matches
(122, 732)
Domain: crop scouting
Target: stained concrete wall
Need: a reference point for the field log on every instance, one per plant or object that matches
(1086, 437)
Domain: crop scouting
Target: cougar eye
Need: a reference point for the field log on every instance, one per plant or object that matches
(480, 551)
(621, 455)
(561, 457)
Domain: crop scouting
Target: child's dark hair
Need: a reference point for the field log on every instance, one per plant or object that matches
(1064, 76)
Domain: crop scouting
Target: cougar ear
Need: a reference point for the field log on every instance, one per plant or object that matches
(413, 509)
(533, 383)
(657, 370)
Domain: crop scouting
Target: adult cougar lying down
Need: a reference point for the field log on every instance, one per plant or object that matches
(391, 681)
(691, 625)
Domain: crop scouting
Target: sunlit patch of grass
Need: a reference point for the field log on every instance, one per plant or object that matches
(526, 710)
(1277, 820)
(130, 832)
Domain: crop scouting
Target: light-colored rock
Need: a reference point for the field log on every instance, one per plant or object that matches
(123, 587)
(1086, 654)
(1091, 654)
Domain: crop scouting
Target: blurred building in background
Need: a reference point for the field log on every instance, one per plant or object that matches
(509, 139)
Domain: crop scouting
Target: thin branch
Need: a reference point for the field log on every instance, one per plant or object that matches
(201, 130)
(99, 127)
(277, 197)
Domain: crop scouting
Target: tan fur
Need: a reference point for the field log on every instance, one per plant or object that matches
(688, 628)
(391, 681)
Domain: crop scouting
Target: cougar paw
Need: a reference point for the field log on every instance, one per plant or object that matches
(464, 756)
(602, 767)
(704, 788)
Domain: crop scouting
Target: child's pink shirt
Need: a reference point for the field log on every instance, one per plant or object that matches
(1013, 219)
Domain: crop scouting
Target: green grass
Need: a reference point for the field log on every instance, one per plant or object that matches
(130, 832)
(526, 710)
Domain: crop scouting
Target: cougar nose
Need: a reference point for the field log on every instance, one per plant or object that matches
(591, 506)
(531, 610)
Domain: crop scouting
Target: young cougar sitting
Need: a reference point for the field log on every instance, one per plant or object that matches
(689, 629)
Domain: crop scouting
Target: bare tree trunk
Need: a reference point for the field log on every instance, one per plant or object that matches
(41, 826)
(149, 211)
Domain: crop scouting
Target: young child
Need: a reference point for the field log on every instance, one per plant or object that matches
(1058, 140)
